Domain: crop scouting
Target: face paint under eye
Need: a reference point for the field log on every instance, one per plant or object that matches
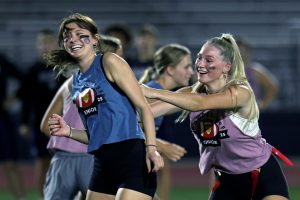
(85, 39)
(211, 68)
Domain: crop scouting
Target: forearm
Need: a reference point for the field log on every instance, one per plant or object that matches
(161, 144)
(79, 135)
(148, 126)
(185, 101)
(160, 108)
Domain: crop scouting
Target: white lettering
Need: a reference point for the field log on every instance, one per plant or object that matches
(90, 110)
(210, 142)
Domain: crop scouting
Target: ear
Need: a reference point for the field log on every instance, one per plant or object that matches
(97, 38)
(227, 67)
(170, 70)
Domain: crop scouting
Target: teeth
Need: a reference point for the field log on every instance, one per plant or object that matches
(75, 47)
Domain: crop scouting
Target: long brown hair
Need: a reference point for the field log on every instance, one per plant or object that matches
(60, 59)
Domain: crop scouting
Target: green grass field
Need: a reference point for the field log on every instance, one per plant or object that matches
(178, 193)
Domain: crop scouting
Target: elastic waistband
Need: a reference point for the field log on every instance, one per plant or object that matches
(70, 154)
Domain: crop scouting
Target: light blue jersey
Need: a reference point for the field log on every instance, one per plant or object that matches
(156, 85)
(107, 113)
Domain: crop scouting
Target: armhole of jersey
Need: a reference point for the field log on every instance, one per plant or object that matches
(250, 128)
(101, 65)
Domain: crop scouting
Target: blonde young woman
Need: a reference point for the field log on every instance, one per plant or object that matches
(108, 99)
(224, 120)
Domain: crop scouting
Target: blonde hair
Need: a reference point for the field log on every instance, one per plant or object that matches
(236, 76)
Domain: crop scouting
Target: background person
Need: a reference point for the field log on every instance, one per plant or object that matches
(262, 81)
(172, 69)
(38, 89)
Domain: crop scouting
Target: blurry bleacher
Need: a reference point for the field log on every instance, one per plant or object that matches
(271, 26)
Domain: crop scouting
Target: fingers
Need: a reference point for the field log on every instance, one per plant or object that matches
(175, 152)
(157, 161)
(54, 124)
(148, 162)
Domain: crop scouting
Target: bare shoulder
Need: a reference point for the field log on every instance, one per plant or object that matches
(116, 67)
(241, 94)
(187, 89)
(240, 89)
(111, 59)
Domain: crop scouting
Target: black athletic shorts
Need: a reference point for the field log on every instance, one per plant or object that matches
(122, 165)
(271, 181)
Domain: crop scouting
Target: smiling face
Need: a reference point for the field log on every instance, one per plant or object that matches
(78, 42)
(210, 65)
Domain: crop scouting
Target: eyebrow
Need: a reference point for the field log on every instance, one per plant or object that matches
(206, 56)
(67, 29)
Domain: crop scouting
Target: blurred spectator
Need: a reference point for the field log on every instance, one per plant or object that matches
(8, 132)
(39, 88)
(122, 32)
(262, 81)
(111, 44)
(146, 45)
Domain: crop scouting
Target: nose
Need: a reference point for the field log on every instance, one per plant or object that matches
(198, 62)
(71, 38)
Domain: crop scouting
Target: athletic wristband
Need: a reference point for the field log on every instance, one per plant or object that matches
(70, 135)
(151, 145)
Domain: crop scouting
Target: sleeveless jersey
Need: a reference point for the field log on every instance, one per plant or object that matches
(157, 120)
(71, 116)
(107, 113)
(227, 142)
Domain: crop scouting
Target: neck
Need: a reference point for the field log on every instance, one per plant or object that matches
(85, 64)
(166, 83)
(215, 88)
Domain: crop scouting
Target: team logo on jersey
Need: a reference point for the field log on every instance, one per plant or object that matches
(209, 131)
(87, 101)
(86, 98)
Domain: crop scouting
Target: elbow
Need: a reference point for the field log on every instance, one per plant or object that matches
(44, 128)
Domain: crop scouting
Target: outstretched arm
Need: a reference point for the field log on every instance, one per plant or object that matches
(160, 108)
(232, 97)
